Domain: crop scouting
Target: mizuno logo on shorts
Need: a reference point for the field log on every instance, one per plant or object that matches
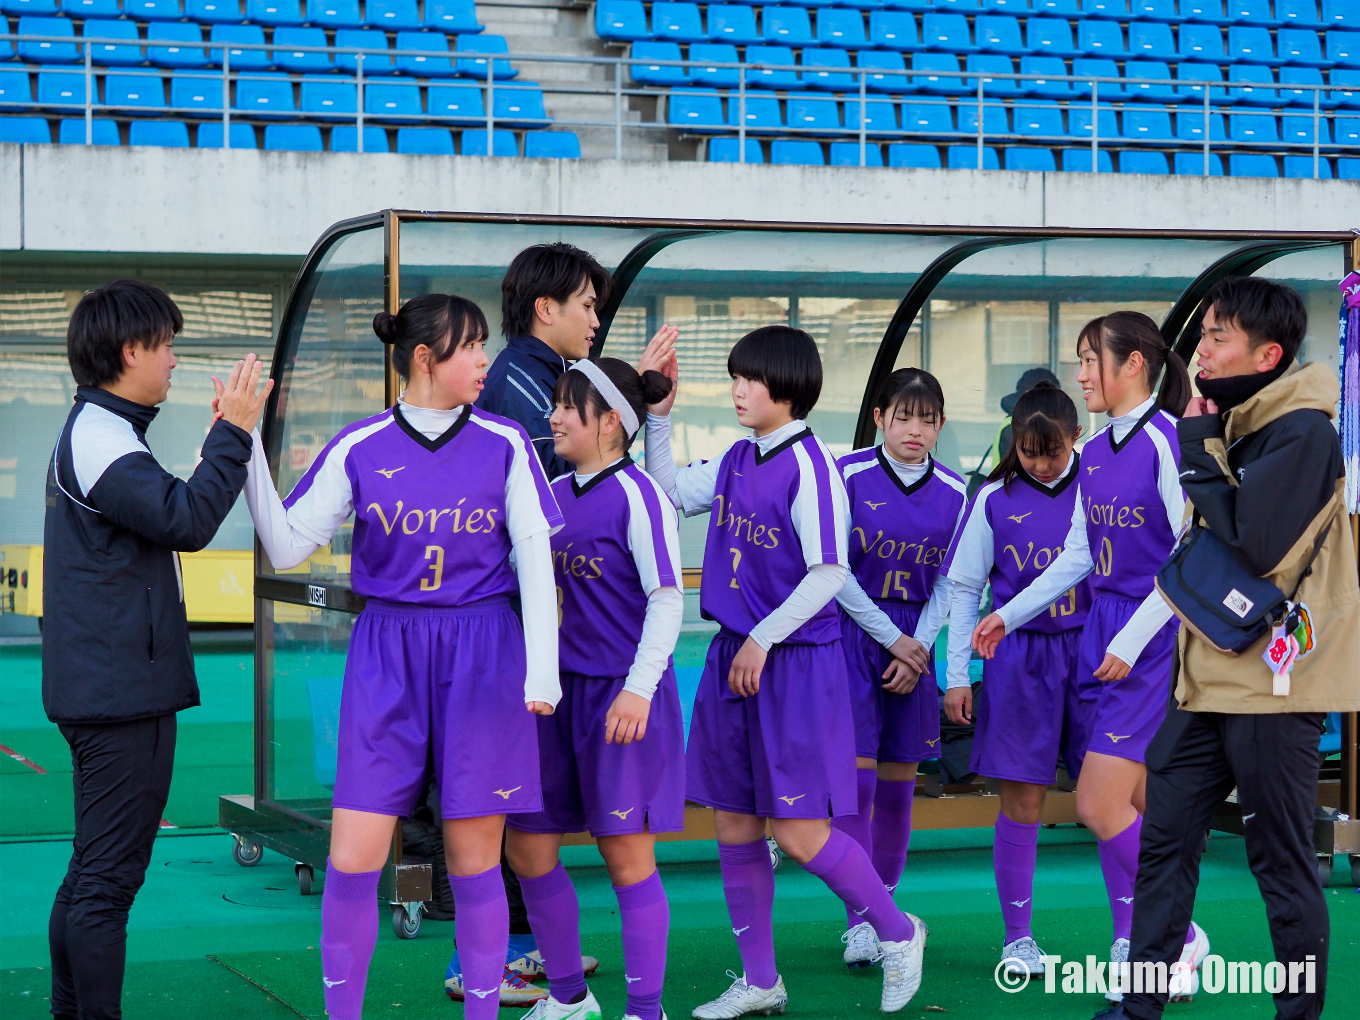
(623, 814)
(1116, 739)
(789, 800)
(505, 794)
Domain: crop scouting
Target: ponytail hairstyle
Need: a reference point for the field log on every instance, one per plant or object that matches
(439, 321)
(1043, 421)
(911, 391)
(575, 390)
(1122, 333)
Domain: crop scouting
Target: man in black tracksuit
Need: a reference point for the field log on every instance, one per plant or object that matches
(116, 659)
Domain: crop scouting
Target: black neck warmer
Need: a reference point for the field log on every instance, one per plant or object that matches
(1232, 390)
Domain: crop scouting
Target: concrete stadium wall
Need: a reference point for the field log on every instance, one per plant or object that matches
(67, 198)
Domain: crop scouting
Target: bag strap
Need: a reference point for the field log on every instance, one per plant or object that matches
(1317, 548)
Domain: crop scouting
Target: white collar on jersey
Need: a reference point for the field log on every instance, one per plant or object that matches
(430, 422)
(1071, 462)
(768, 442)
(1124, 424)
(583, 479)
(909, 473)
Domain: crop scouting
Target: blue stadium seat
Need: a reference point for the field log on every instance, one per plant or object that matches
(134, 91)
(847, 154)
(1253, 127)
(727, 150)
(1302, 97)
(1021, 157)
(1147, 123)
(1348, 169)
(659, 74)
(181, 47)
(344, 138)
(1348, 132)
(678, 22)
(1040, 119)
(61, 86)
(1099, 67)
(28, 7)
(473, 51)
(1343, 48)
(551, 145)
(265, 95)
(335, 14)
(1249, 75)
(520, 105)
(1345, 82)
(114, 54)
(1199, 73)
(935, 119)
(391, 15)
(768, 77)
(762, 112)
(1301, 168)
(1299, 46)
(71, 131)
(275, 13)
(964, 157)
(241, 60)
(392, 99)
(840, 28)
(995, 119)
(165, 134)
(363, 39)
(1079, 122)
(883, 65)
(292, 138)
(1251, 44)
(732, 23)
(864, 5)
(968, 6)
(1299, 130)
(1190, 126)
(1138, 78)
(15, 92)
(1191, 164)
(824, 74)
(1251, 12)
(880, 116)
(624, 20)
(1155, 10)
(288, 59)
(1151, 40)
(1042, 87)
(455, 16)
(191, 92)
(1020, 7)
(796, 152)
(893, 30)
(1101, 39)
(1079, 161)
(719, 53)
(932, 83)
(1298, 14)
(1201, 43)
(1340, 12)
(423, 66)
(813, 113)
(6, 47)
(88, 9)
(695, 110)
(1051, 36)
(473, 143)
(328, 98)
(947, 33)
(1134, 162)
(1210, 12)
(47, 52)
(1110, 10)
(925, 157)
(25, 131)
(153, 10)
(1252, 164)
(1059, 8)
(425, 141)
(457, 104)
(210, 135)
(999, 33)
(993, 63)
(786, 26)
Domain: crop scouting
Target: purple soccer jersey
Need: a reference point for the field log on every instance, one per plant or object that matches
(432, 522)
(899, 534)
(619, 543)
(754, 556)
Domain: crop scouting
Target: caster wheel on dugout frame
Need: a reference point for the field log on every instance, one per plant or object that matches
(305, 877)
(776, 855)
(406, 919)
(246, 853)
(1324, 869)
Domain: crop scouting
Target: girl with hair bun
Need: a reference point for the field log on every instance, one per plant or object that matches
(439, 665)
(612, 758)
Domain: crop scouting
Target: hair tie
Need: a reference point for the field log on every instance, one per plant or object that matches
(610, 392)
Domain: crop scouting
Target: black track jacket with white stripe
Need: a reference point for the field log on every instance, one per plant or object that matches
(115, 635)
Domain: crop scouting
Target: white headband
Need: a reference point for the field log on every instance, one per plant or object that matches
(610, 392)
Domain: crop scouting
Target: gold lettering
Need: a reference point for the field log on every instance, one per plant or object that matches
(576, 564)
(1019, 563)
(1123, 517)
(760, 533)
(420, 521)
(722, 503)
(1137, 512)
(774, 542)
(473, 519)
(1046, 555)
(433, 582)
(736, 560)
(595, 566)
(434, 518)
(560, 595)
(383, 517)
(1105, 564)
(490, 521)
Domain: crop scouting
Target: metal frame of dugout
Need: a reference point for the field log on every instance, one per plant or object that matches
(298, 826)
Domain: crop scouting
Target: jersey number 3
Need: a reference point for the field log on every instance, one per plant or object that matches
(436, 553)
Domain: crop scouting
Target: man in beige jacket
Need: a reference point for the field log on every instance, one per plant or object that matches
(1261, 464)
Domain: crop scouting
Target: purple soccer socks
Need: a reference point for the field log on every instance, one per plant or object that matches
(892, 829)
(555, 917)
(349, 930)
(481, 929)
(1119, 863)
(748, 886)
(846, 869)
(1013, 856)
(646, 917)
(859, 827)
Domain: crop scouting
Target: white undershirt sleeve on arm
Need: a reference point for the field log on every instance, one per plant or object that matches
(660, 631)
(656, 445)
(1143, 625)
(538, 605)
(963, 614)
(814, 591)
(690, 488)
(284, 544)
(1072, 565)
(872, 620)
(657, 559)
(937, 611)
(1169, 484)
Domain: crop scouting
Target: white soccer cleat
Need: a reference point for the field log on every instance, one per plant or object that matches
(744, 1000)
(1023, 957)
(530, 966)
(902, 964)
(1184, 981)
(514, 990)
(861, 945)
(1119, 954)
(551, 1009)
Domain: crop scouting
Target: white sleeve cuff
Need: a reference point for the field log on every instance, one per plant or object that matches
(814, 591)
(538, 605)
(284, 544)
(963, 613)
(872, 620)
(660, 631)
(1143, 625)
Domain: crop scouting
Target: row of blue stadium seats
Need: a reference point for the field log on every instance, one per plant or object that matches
(1297, 13)
(803, 152)
(702, 112)
(269, 95)
(831, 70)
(625, 20)
(181, 44)
(445, 15)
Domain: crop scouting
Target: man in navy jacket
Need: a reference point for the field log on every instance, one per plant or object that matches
(117, 664)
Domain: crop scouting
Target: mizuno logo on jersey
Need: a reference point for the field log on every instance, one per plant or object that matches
(874, 506)
(1092, 468)
(790, 800)
(389, 472)
(1021, 518)
(623, 814)
(1116, 739)
(505, 794)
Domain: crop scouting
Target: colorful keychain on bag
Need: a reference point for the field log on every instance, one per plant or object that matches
(1290, 641)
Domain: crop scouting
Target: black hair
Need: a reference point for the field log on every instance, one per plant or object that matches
(785, 360)
(1268, 312)
(575, 390)
(105, 320)
(1122, 333)
(1043, 421)
(911, 391)
(439, 321)
(556, 270)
